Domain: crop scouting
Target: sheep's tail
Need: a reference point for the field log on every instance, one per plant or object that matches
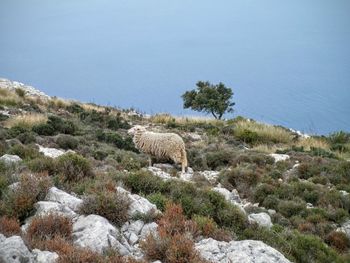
(184, 163)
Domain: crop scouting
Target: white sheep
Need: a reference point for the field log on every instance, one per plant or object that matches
(160, 145)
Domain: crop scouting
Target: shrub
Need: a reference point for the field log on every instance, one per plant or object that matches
(20, 203)
(218, 159)
(144, 182)
(112, 205)
(24, 151)
(62, 126)
(242, 178)
(44, 129)
(47, 227)
(338, 240)
(26, 137)
(290, 208)
(248, 136)
(73, 167)
(117, 140)
(172, 245)
(159, 200)
(42, 164)
(14, 131)
(117, 122)
(9, 226)
(67, 142)
(20, 92)
(208, 228)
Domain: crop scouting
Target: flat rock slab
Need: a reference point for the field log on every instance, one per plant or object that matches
(246, 251)
(96, 233)
(13, 250)
(56, 195)
(10, 159)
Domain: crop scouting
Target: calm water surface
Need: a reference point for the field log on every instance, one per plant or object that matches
(288, 62)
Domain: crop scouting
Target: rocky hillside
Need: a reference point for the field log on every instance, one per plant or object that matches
(73, 188)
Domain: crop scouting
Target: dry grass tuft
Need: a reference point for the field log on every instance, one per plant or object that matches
(26, 121)
(308, 143)
(164, 118)
(265, 133)
(9, 226)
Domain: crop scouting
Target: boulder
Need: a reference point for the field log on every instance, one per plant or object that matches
(279, 157)
(345, 228)
(13, 250)
(51, 152)
(44, 256)
(138, 205)
(246, 251)
(96, 233)
(10, 159)
(262, 219)
(160, 173)
(232, 197)
(211, 176)
(59, 196)
(135, 231)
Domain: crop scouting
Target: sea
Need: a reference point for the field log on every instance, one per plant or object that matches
(287, 62)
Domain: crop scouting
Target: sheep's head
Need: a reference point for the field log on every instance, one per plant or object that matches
(135, 129)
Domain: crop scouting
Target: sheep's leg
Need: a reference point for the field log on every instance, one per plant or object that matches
(183, 167)
(149, 161)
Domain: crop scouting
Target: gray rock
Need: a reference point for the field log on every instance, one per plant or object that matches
(211, 176)
(262, 219)
(10, 159)
(29, 90)
(232, 197)
(138, 205)
(44, 256)
(96, 233)
(59, 196)
(246, 251)
(345, 228)
(279, 157)
(52, 152)
(13, 250)
(134, 231)
(160, 173)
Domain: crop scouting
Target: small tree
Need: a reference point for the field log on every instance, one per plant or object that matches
(209, 98)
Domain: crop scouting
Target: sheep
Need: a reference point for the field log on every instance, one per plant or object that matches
(160, 145)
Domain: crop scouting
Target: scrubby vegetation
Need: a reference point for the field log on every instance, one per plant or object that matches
(307, 194)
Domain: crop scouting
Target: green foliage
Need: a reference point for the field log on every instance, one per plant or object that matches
(73, 167)
(42, 164)
(248, 136)
(291, 208)
(112, 205)
(67, 142)
(159, 200)
(15, 131)
(43, 129)
(55, 125)
(20, 203)
(26, 137)
(20, 92)
(116, 139)
(24, 151)
(62, 126)
(144, 182)
(117, 122)
(209, 98)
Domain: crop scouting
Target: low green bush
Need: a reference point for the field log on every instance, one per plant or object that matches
(26, 137)
(159, 200)
(112, 205)
(26, 152)
(44, 129)
(73, 167)
(43, 164)
(67, 142)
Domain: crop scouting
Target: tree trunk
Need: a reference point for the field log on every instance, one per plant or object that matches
(214, 115)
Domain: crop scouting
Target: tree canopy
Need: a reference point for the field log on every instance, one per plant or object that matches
(209, 98)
